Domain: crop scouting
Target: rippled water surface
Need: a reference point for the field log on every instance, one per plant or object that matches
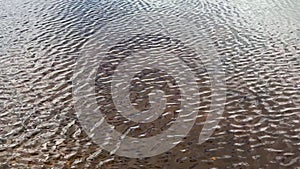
(256, 44)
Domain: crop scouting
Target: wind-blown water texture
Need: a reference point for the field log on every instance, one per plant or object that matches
(259, 46)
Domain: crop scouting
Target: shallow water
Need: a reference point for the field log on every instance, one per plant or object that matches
(256, 44)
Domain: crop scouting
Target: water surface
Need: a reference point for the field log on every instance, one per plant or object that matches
(258, 44)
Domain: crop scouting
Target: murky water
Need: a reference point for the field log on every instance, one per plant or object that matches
(256, 44)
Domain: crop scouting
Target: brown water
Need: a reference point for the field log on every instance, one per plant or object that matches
(258, 44)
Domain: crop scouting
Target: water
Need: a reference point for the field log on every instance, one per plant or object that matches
(256, 44)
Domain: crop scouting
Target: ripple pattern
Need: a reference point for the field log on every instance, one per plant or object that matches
(259, 45)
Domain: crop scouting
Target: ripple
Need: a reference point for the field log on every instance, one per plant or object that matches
(258, 45)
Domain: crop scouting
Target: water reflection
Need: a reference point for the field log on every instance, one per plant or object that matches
(258, 45)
